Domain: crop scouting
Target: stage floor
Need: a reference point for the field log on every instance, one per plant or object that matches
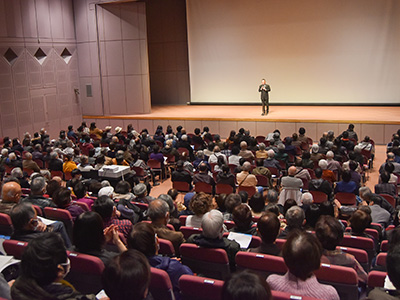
(377, 122)
(304, 114)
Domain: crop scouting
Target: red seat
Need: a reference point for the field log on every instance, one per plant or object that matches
(249, 189)
(6, 227)
(160, 285)
(376, 279)
(319, 197)
(140, 173)
(67, 176)
(182, 219)
(263, 181)
(82, 205)
(156, 166)
(188, 231)
(389, 199)
(181, 186)
(38, 210)
(222, 188)
(381, 259)
(262, 264)
(62, 215)
(280, 243)
(203, 187)
(211, 262)
(166, 247)
(277, 295)
(200, 288)
(385, 246)
(360, 243)
(28, 171)
(359, 254)
(85, 274)
(229, 224)
(142, 206)
(14, 248)
(57, 173)
(346, 198)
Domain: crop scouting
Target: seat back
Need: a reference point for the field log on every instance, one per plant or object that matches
(262, 181)
(376, 279)
(14, 248)
(262, 264)
(82, 205)
(203, 187)
(62, 215)
(277, 295)
(28, 171)
(381, 259)
(182, 220)
(142, 206)
(209, 262)
(389, 199)
(319, 197)
(188, 231)
(360, 243)
(154, 164)
(6, 227)
(343, 279)
(57, 173)
(200, 288)
(181, 186)
(166, 247)
(38, 210)
(249, 189)
(85, 274)
(346, 198)
(385, 246)
(222, 188)
(160, 285)
(359, 254)
(274, 171)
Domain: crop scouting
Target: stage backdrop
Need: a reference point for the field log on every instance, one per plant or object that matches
(310, 51)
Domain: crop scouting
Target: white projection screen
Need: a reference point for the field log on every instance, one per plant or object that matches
(310, 51)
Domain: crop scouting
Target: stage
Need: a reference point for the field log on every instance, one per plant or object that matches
(376, 121)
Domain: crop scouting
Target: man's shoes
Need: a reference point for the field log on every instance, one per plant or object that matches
(263, 114)
(156, 183)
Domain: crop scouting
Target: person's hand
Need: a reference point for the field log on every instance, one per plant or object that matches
(41, 226)
(11, 282)
(117, 213)
(337, 203)
(108, 233)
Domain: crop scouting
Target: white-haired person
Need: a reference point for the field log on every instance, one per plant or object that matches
(326, 173)
(212, 224)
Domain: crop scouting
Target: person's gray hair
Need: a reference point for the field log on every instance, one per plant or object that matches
(295, 217)
(307, 198)
(272, 196)
(16, 172)
(4, 152)
(212, 223)
(365, 193)
(84, 159)
(38, 184)
(105, 183)
(271, 153)
(200, 154)
(28, 155)
(330, 154)
(391, 155)
(243, 144)
(323, 164)
(357, 149)
(53, 155)
(157, 209)
(167, 198)
(261, 146)
(45, 173)
(12, 156)
(184, 137)
(246, 166)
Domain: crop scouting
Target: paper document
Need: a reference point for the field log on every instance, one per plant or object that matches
(242, 239)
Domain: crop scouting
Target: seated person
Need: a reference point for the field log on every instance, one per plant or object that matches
(261, 170)
(141, 192)
(385, 187)
(127, 277)
(257, 204)
(10, 196)
(90, 238)
(243, 219)
(271, 162)
(62, 198)
(203, 176)
(393, 271)
(200, 204)
(346, 185)
(312, 215)
(326, 173)
(226, 177)
(159, 214)
(29, 164)
(27, 225)
(142, 239)
(36, 197)
(125, 206)
(80, 192)
(291, 187)
(44, 265)
(319, 184)
(234, 158)
(246, 179)
(231, 201)
(104, 206)
(246, 285)
(268, 227)
(302, 254)
(329, 232)
(211, 237)
(84, 166)
(295, 220)
(180, 174)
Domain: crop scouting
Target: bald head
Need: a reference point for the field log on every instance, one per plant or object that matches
(11, 192)
(292, 171)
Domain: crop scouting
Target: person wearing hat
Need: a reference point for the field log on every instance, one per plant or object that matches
(141, 193)
(315, 155)
(119, 134)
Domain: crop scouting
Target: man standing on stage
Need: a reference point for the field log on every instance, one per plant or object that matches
(264, 89)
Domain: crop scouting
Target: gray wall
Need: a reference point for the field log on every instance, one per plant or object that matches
(37, 94)
(120, 78)
(168, 52)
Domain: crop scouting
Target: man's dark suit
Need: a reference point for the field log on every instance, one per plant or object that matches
(264, 89)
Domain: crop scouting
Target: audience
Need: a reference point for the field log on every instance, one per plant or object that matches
(268, 227)
(199, 205)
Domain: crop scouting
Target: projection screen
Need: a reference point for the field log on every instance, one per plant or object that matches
(309, 51)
